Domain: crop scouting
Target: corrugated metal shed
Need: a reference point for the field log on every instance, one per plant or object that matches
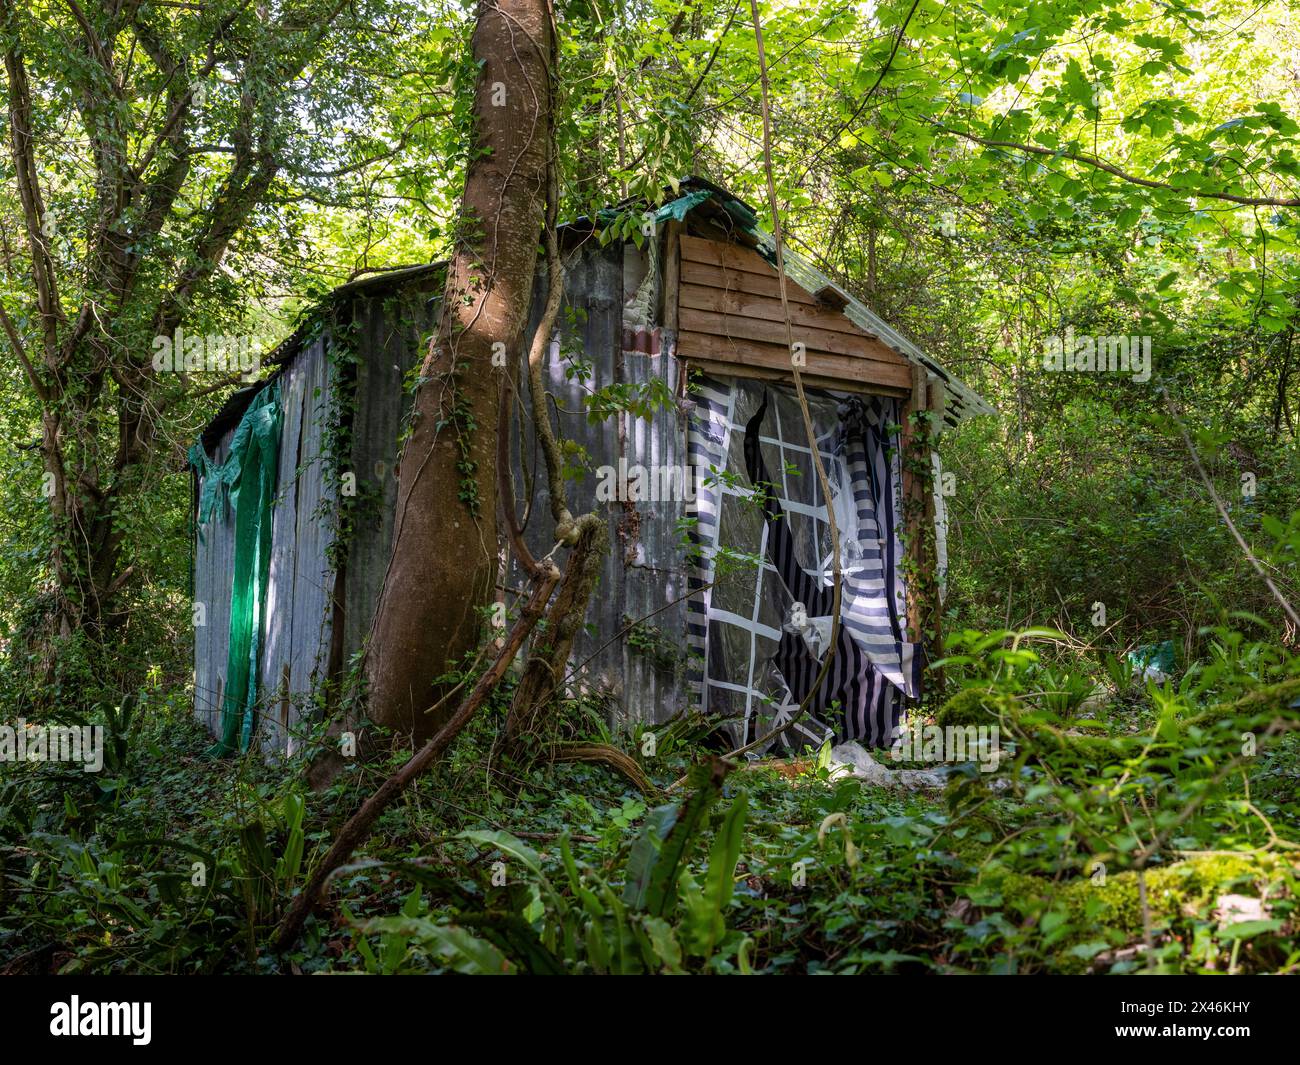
(343, 377)
(214, 562)
(363, 346)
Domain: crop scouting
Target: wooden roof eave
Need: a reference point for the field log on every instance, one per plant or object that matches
(962, 400)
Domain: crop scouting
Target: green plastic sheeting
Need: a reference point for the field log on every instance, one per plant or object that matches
(680, 207)
(246, 483)
(1154, 656)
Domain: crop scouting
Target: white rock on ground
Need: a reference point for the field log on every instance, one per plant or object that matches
(1235, 909)
(853, 760)
(1095, 703)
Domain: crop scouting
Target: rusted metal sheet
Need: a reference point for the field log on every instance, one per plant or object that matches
(583, 358)
(313, 532)
(277, 638)
(655, 572)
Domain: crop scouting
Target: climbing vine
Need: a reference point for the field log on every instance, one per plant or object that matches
(338, 408)
(919, 547)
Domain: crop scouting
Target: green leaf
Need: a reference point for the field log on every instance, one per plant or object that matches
(665, 843)
(1249, 929)
(506, 844)
(460, 949)
(664, 941)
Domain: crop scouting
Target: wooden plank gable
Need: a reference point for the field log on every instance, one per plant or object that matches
(731, 319)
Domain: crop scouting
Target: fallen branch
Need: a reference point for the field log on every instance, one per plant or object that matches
(1287, 608)
(358, 827)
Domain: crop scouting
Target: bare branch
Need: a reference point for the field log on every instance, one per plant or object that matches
(22, 147)
(1287, 608)
(15, 341)
(1109, 168)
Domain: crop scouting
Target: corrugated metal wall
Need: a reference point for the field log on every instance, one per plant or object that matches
(644, 676)
(644, 572)
(300, 587)
(591, 323)
(299, 648)
(653, 567)
(390, 333)
(214, 562)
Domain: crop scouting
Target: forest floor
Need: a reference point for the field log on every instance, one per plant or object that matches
(1133, 837)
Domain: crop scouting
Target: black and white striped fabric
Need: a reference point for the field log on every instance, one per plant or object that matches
(762, 565)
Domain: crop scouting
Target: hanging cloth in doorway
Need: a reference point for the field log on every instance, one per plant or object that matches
(245, 481)
(860, 700)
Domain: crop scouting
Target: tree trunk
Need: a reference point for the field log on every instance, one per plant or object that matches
(444, 560)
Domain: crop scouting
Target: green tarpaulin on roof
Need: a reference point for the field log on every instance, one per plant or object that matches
(245, 482)
(679, 208)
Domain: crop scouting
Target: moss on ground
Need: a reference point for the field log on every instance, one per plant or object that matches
(1176, 894)
(977, 706)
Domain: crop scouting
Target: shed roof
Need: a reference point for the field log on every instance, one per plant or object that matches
(227, 417)
(962, 401)
(736, 218)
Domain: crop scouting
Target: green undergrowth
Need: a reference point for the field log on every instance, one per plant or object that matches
(1186, 792)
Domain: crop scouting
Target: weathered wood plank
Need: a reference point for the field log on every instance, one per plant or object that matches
(774, 332)
(746, 353)
(671, 300)
(717, 253)
(720, 368)
(721, 300)
(732, 280)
